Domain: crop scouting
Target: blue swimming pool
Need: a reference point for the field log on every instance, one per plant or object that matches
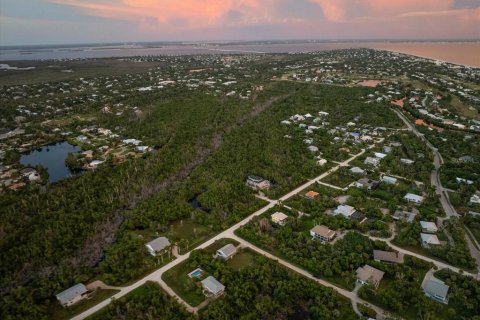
(196, 273)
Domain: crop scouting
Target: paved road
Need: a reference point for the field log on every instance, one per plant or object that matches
(440, 190)
(352, 295)
(228, 233)
(437, 162)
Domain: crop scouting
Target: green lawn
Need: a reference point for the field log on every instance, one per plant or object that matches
(242, 259)
(189, 231)
(57, 312)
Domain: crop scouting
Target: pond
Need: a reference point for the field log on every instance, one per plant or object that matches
(52, 157)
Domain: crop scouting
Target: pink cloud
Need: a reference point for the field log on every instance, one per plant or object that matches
(341, 18)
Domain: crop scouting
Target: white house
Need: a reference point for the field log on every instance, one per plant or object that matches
(428, 227)
(157, 245)
(72, 295)
(345, 210)
(211, 287)
(462, 180)
(407, 161)
(357, 170)
(279, 218)
(388, 179)
(380, 155)
(226, 252)
(429, 239)
(475, 198)
(372, 161)
(321, 162)
(410, 197)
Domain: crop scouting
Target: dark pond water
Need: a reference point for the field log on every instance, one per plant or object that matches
(52, 157)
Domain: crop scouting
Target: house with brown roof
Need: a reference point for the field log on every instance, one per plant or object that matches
(311, 195)
(387, 256)
(322, 233)
(370, 275)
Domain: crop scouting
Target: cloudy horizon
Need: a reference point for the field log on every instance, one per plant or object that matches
(32, 22)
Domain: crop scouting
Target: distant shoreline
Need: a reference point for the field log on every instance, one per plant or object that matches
(460, 53)
(464, 53)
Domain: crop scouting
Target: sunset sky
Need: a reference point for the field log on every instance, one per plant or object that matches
(80, 21)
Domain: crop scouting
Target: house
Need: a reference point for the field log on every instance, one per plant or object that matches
(388, 179)
(279, 218)
(365, 183)
(258, 183)
(429, 239)
(387, 256)
(82, 138)
(226, 252)
(380, 155)
(142, 149)
(311, 195)
(157, 245)
(372, 161)
(30, 174)
(321, 162)
(475, 198)
(322, 233)
(370, 275)
(345, 210)
(357, 170)
(462, 180)
(407, 161)
(435, 289)
(466, 159)
(428, 227)
(313, 148)
(72, 295)
(410, 197)
(94, 164)
(387, 149)
(211, 287)
(404, 215)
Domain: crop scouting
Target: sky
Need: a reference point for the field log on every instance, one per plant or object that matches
(95, 21)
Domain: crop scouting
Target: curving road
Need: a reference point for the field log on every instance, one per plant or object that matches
(228, 233)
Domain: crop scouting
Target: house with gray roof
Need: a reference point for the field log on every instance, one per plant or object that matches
(72, 295)
(157, 245)
(435, 289)
(211, 287)
(226, 252)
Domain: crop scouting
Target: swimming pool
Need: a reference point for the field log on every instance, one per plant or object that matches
(196, 273)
